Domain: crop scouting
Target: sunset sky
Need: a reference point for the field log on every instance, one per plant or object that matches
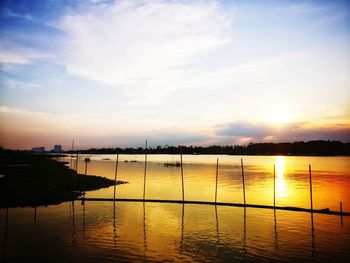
(115, 73)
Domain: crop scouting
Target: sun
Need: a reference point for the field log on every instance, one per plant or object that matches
(279, 117)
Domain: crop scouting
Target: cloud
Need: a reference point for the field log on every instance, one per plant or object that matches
(14, 54)
(258, 132)
(6, 12)
(141, 47)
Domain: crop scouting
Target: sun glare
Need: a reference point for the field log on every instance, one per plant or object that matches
(280, 184)
(279, 118)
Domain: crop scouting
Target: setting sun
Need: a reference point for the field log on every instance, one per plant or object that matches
(279, 118)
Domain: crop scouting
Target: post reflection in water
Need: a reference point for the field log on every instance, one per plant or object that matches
(144, 231)
(114, 227)
(275, 228)
(244, 230)
(312, 234)
(83, 204)
(217, 232)
(182, 228)
(73, 226)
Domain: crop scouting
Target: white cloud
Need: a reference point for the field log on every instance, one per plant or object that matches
(12, 54)
(142, 46)
(6, 12)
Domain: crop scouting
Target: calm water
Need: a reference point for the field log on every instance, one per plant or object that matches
(157, 232)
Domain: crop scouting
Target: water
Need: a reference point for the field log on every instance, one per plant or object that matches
(107, 231)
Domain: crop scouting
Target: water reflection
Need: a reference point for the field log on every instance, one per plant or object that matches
(182, 228)
(280, 169)
(144, 232)
(275, 229)
(160, 233)
(114, 227)
(244, 230)
(73, 226)
(312, 234)
(217, 244)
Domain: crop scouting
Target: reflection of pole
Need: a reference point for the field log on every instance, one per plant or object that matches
(144, 175)
(217, 227)
(243, 181)
(312, 234)
(276, 233)
(216, 181)
(73, 225)
(114, 227)
(84, 218)
(310, 188)
(274, 185)
(115, 175)
(182, 180)
(341, 213)
(244, 230)
(182, 227)
(144, 231)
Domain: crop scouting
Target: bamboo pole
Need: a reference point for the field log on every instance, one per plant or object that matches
(144, 175)
(71, 155)
(274, 185)
(243, 181)
(86, 164)
(115, 175)
(182, 180)
(216, 180)
(76, 163)
(310, 176)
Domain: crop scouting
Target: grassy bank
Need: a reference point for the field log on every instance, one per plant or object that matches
(28, 179)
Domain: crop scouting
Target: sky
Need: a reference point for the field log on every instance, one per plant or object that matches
(115, 73)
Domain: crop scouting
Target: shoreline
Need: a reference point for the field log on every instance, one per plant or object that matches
(42, 181)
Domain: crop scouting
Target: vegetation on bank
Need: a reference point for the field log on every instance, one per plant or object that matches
(314, 148)
(28, 179)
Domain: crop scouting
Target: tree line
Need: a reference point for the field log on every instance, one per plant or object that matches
(316, 148)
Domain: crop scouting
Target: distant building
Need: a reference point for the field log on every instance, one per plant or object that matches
(57, 148)
(38, 149)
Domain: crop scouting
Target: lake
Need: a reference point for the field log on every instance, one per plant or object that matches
(129, 231)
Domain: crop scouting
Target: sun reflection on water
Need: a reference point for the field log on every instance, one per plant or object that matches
(280, 165)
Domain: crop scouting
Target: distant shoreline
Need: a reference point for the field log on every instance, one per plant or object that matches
(310, 148)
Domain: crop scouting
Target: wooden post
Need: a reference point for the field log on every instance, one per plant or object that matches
(71, 155)
(341, 208)
(115, 175)
(310, 188)
(182, 180)
(274, 185)
(144, 175)
(216, 181)
(76, 163)
(86, 163)
(243, 181)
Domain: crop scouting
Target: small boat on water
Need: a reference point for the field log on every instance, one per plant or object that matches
(175, 164)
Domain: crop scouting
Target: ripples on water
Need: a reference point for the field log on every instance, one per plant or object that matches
(107, 231)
